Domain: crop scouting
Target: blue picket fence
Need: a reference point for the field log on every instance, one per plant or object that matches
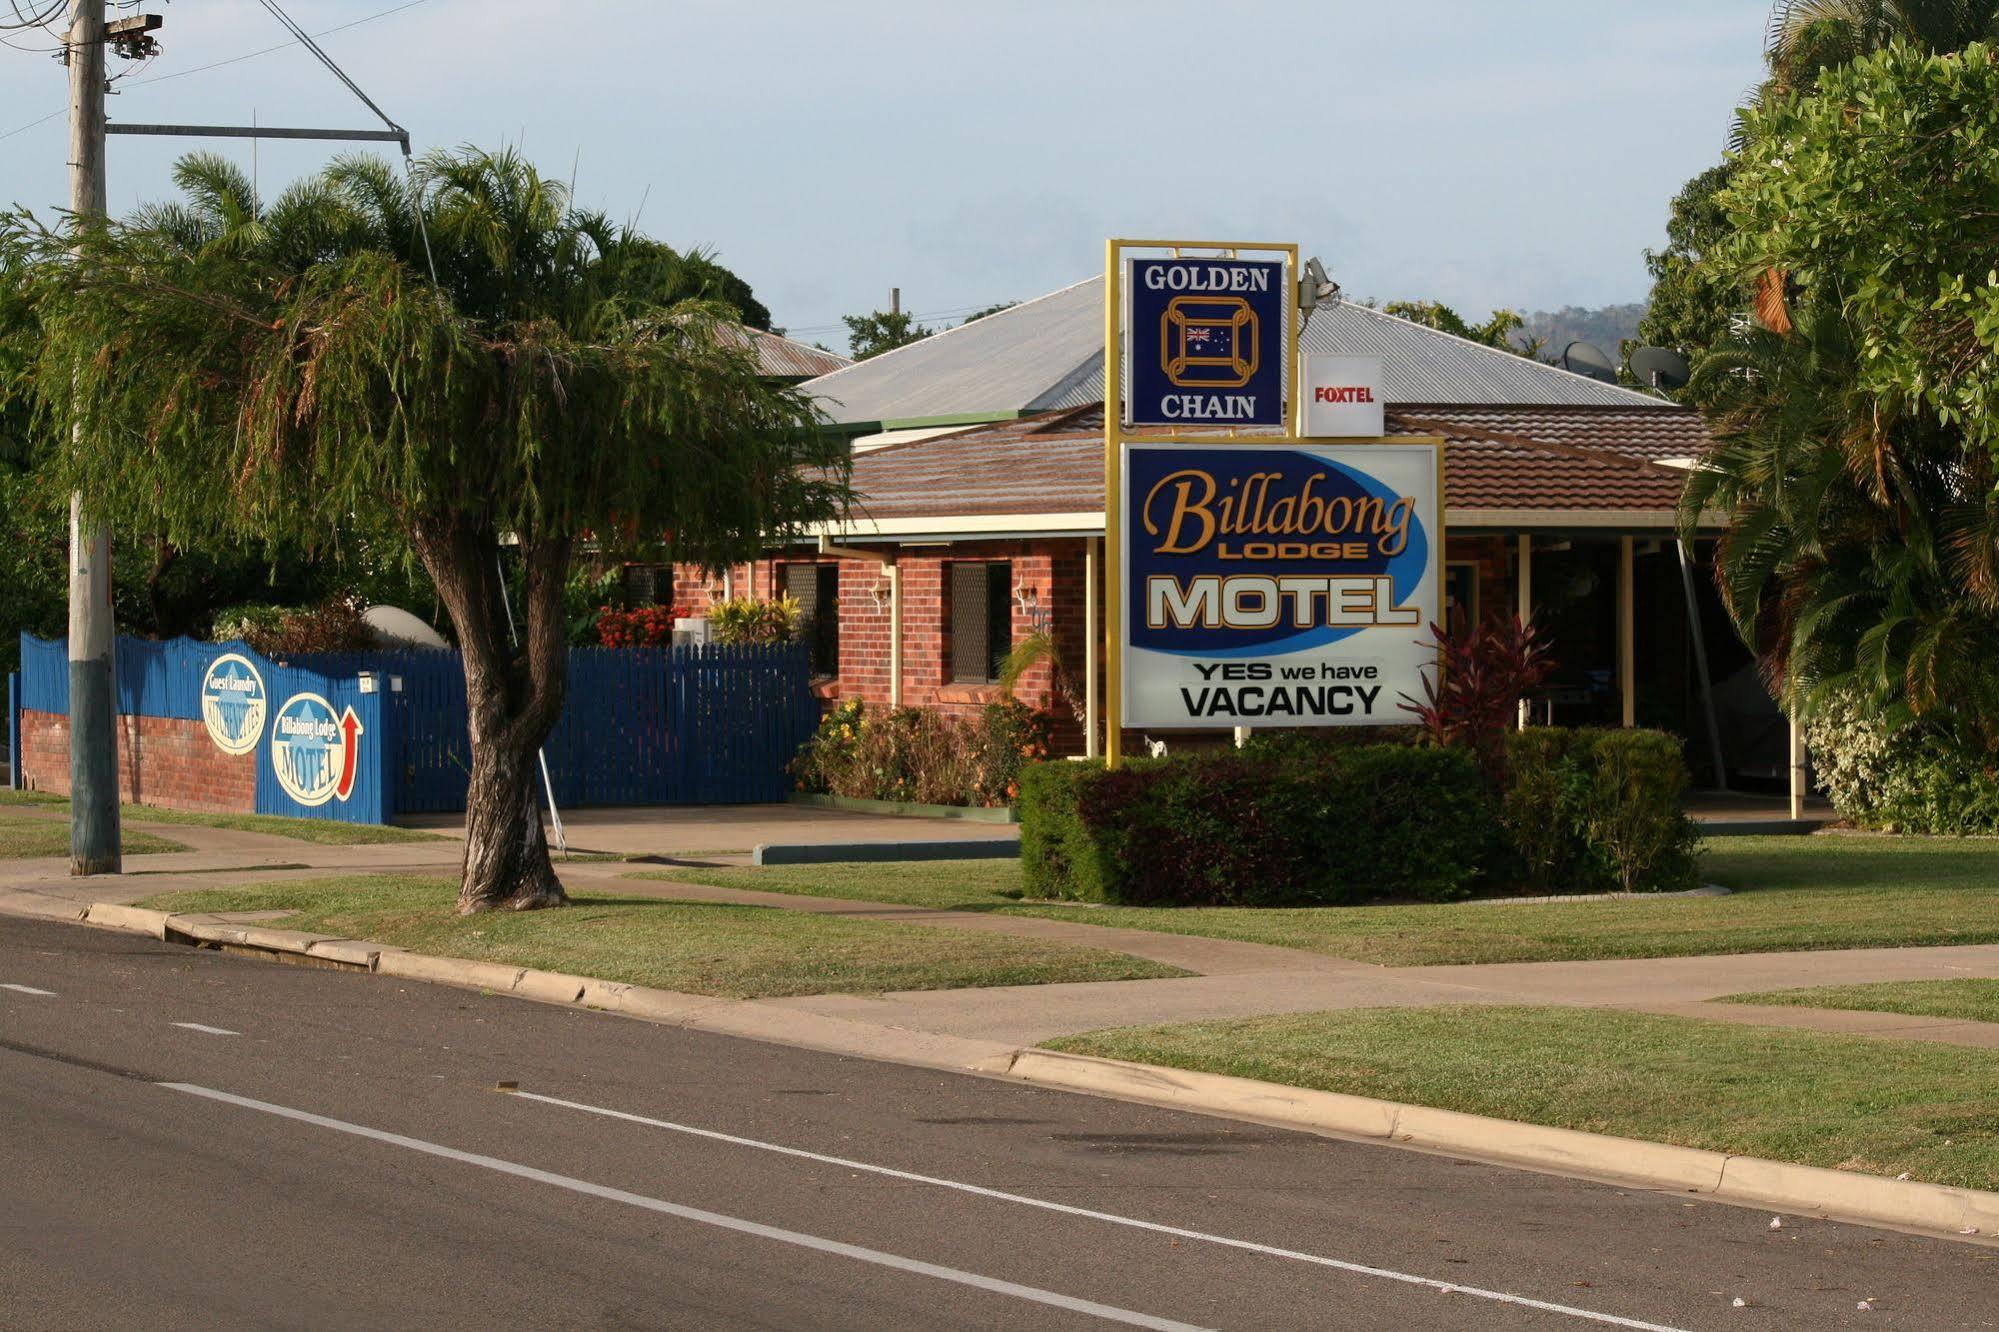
(640, 726)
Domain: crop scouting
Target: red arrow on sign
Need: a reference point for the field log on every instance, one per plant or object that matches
(350, 752)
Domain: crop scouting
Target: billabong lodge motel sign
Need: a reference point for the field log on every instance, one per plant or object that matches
(1272, 579)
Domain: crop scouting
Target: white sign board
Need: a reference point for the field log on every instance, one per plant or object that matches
(1343, 397)
(1283, 585)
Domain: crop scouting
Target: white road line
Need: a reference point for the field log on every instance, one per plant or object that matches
(204, 1027)
(1361, 1269)
(1107, 1312)
(28, 989)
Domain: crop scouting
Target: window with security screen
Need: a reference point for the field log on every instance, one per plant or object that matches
(816, 589)
(981, 620)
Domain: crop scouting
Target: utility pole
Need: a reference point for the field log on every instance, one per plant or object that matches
(93, 703)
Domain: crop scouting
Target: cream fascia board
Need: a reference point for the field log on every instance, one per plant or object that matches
(862, 529)
(1092, 523)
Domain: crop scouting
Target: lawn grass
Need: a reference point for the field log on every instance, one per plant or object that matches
(731, 951)
(22, 838)
(324, 832)
(1829, 891)
(1968, 998)
(1851, 1103)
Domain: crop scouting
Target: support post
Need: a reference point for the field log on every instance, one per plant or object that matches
(1700, 668)
(1113, 526)
(1627, 629)
(1524, 602)
(894, 572)
(1798, 762)
(1093, 631)
(93, 694)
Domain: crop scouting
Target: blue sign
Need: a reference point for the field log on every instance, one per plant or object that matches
(315, 754)
(233, 703)
(1278, 586)
(1208, 339)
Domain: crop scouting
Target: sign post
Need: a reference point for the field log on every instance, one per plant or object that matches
(1257, 572)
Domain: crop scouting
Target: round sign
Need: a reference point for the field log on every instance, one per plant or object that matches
(311, 752)
(233, 703)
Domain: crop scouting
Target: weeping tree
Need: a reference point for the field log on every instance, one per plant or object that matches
(464, 352)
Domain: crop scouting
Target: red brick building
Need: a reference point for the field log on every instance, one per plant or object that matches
(979, 519)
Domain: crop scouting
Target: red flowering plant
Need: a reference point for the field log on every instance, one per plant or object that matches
(1473, 697)
(642, 626)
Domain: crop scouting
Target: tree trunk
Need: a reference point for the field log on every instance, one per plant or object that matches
(513, 697)
(506, 866)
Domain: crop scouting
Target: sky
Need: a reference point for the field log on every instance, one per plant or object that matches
(1481, 154)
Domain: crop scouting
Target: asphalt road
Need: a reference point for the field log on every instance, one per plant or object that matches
(191, 1139)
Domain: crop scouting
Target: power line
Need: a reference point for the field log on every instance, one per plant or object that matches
(218, 64)
(281, 46)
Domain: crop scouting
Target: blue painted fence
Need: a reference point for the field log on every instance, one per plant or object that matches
(640, 726)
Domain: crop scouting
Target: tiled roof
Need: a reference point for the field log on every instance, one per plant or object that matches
(1553, 459)
(1047, 353)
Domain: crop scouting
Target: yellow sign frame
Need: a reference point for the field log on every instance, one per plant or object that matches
(1116, 437)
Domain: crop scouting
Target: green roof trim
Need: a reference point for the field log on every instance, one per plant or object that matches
(955, 419)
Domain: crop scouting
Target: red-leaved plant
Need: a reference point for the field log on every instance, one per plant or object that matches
(1473, 697)
(642, 626)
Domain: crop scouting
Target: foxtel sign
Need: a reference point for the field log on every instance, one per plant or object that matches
(1343, 398)
(1279, 586)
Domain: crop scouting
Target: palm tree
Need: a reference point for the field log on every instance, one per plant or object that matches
(1805, 38)
(464, 356)
(1861, 549)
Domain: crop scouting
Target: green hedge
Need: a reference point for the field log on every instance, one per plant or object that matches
(1251, 830)
(1297, 823)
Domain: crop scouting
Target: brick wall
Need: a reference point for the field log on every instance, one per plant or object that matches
(165, 761)
(1052, 569)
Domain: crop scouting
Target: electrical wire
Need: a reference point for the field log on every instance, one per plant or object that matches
(281, 46)
(305, 38)
(217, 64)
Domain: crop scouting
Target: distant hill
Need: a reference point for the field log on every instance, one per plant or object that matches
(1607, 326)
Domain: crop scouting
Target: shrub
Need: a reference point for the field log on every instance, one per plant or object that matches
(586, 597)
(1473, 698)
(752, 620)
(642, 626)
(1336, 826)
(830, 751)
(1589, 811)
(1635, 817)
(278, 631)
(915, 754)
(1921, 777)
(1007, 737)
(1321, 824)
(1543, 811)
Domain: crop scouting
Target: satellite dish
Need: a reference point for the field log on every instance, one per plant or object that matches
(394, 628)
(1660, 368)
(1587, 359)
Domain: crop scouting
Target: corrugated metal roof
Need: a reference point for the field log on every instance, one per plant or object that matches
(1048, 354)
(1003, 363)
(782, 358)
